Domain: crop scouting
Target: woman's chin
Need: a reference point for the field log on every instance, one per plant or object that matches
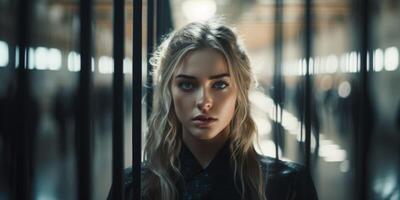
(203, 134)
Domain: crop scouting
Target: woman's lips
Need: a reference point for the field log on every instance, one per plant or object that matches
(204, 123)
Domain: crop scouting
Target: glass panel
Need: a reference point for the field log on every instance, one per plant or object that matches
(333, 98)
(335, 68)
(8, 38)
(102, 97)
(384, 161)
(55, 66)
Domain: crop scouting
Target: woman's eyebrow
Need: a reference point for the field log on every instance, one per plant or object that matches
(217, 76)
(185, 76)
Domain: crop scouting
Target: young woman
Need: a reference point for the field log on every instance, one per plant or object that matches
(200, 137)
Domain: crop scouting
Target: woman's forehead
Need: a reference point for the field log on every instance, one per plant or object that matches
(203, 62)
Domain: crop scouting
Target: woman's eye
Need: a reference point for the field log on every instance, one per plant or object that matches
(186, 85)
(220, 85)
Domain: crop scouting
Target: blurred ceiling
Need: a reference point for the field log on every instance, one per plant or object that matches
(56, 22)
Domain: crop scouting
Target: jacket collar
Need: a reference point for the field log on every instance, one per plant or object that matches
(190, 166)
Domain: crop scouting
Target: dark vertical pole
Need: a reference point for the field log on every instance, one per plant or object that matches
(84, 108)
(163, 17)
(151, 44)
(137, 95)
(363, 131)
(308, 88)
(277, 91)
(118, 99)
(19, 127)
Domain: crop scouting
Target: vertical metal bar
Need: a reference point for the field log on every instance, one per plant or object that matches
(278, 72)
(84, 107)
(276, 132)
(118, 100)
(308, 88)
(163, 17)
(364, 127)
(137, 95)
(151, 44)
(21, 177)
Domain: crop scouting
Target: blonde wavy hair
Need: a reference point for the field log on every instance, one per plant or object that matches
(164, 138)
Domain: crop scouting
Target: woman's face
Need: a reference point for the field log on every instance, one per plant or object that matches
(203, 93)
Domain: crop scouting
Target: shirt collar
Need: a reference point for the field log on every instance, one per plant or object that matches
(191, 167)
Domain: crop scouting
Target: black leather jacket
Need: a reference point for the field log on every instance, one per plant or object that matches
(284, 180)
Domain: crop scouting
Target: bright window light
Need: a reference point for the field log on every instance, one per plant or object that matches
(326, 149)
(17, 57)
(304, 67)
(264, 103)
(317, 65)
(378, 60)
(299, 67)
(338, 155)
(31, 58)
(332, 63)
(106, 65)
(311, 66)
(4, 55)
(127, 66)
(55, 58)
(290, 68)
(344, 63)
(263, 125)
(267, 148)
(93, 64)
(300, 138)
(358, 62)
(293, 68)
(41, 56)
(74, 61)
(353, 62)
(199, 10)
(289, 121)
(391, 59)
(325, 142)
(285, 69)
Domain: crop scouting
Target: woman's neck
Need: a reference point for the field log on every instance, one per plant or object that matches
(205, 150)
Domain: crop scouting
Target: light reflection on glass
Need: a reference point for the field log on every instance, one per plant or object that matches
(3, 54)
(74, 61)
(344, 89)
(106, 65)
(329, 151)
(391, 59)
(378, 60)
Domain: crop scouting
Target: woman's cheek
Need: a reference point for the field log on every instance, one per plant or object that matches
(228, 103)
(182, 103)
(177, 103)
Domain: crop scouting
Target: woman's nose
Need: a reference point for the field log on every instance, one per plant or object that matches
(204, 102)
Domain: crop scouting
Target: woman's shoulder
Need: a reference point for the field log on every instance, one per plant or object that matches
(286, 179)
(128, 173)
(279, 167)
(128, 181)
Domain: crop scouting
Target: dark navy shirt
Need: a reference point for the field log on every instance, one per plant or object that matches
(284, 180)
